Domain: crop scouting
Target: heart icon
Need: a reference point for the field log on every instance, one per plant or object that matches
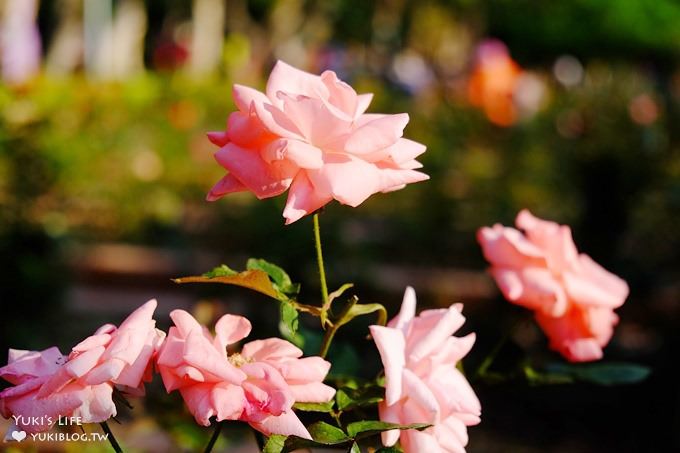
(19, 435)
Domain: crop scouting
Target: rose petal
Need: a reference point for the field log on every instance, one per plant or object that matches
(228, 184)
(311, 392)
(303, 198)
(314, 120)
(350, 180)
(271, 349)
(391, 344)
(422, 401)
(377, 134)
(390, 414)
(591, 284)
(230, 329)
(555, 240)
(508, 248)
(264, 180)
(219, 138)
(445, 326)
(287, 424)
(287, 79)
(199, 402)
(536, 289)
(228, 401)
(297, 152)
(407, 311)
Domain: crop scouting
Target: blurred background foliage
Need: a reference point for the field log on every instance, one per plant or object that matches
(567, 108)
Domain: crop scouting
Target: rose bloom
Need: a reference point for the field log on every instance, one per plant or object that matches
(49, 385)
(309, 135)
(572, 296)
(259, 385)
(422, 383)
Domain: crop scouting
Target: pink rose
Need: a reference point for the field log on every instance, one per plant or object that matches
(422, 383)
(572, 296)
(259, 385)
(310, 134)
(49, 385)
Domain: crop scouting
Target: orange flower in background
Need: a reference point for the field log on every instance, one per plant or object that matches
(493, 83)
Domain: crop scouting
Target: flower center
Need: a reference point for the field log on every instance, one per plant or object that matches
(238, 360)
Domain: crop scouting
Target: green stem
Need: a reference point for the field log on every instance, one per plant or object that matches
(319, 260)
(214, 437)
(110, 437)
(327, 339)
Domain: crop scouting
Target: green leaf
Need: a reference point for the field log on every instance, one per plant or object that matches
(368, 428)
(253, 279)
(220, 271)
(315, 407)
(349, 398)
(274, 444)
(327, 434)
(535, 377)
(331, 297)
(602, 373)
(354, 448)
(364, 309)
(288, 326)
(280, 278)
(295, 443)
(323, 436)
(338, 292)
(260, 275)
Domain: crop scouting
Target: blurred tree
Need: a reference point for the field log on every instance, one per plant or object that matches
(207, 30)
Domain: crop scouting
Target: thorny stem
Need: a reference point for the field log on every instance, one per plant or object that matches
(111, 438)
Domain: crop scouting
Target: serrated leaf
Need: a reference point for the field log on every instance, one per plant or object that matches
(256, 280)
(602, 373)
(349, 398)
(323, 436)
(366, 428)
(315, 407)
(275, 444)
(327, 434)
(280, 278)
